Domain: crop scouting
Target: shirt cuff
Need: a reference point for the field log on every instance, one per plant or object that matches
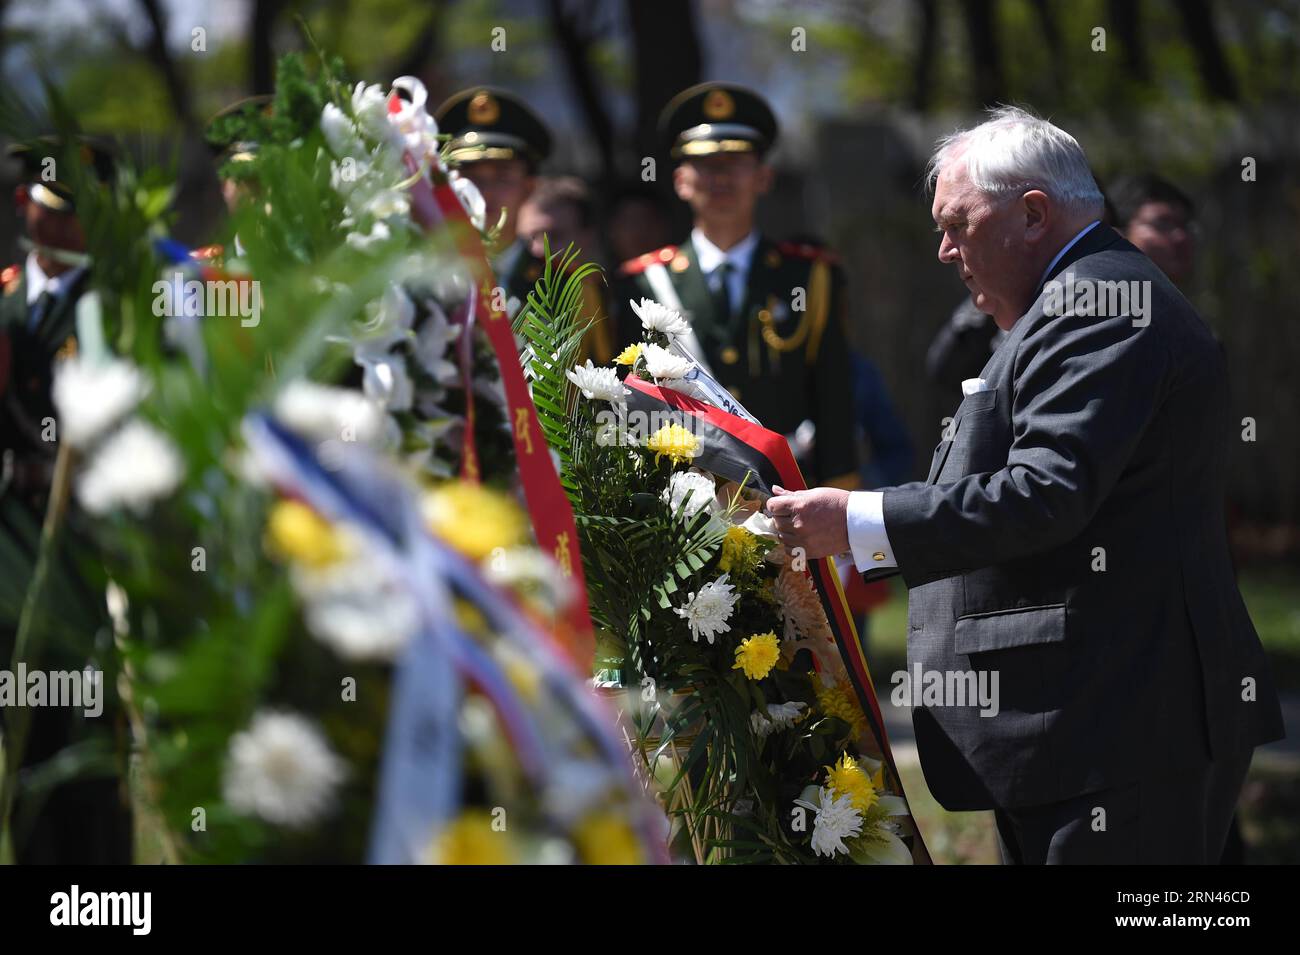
(867, 537)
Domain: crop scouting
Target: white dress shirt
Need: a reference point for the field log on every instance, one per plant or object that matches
(38, 283)
(739, 256)
(868, 538)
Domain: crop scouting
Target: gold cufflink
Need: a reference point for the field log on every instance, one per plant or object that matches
(878, 555)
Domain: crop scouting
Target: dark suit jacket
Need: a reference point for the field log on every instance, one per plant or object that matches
(1099, 440)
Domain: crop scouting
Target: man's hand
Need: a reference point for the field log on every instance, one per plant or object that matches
(815, 520)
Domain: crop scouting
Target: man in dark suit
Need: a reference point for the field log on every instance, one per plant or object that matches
(1067, 551)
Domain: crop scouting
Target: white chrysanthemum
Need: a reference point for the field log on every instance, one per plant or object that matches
(660, 318)
(779, 716)
(282, 769)
(699, 487)
(836, 820)
(323, 413)
(471, 199)
(91, 396)
(708, 611)
(356, 608)
(662, 363)
(134, 467)
(600, 384)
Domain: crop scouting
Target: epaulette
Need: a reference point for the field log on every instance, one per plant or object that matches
(642, 262)
(208, 253)
(808, 251)
(10, 278)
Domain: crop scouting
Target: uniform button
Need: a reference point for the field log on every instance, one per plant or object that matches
(878, 555)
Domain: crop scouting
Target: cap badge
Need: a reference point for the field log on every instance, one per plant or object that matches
(484, 109)
(719, 105)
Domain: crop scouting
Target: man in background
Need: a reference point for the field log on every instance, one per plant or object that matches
(498, 143)
(560, 211)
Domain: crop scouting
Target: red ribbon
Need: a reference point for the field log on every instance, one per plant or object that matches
(548, 506)
(776, 450)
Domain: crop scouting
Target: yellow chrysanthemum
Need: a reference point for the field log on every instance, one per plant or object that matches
(606, 839)
(474, 519)
(629, 355)
(295, 531)
(849, 779)
(757, 655)
(839, 701)
(674, 441)
(471, 840)
(737, 549)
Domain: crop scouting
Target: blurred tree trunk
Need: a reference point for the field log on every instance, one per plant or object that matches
(1047, 22)
(1198, 25)
(1127, 19)
(421, 48)
(577, 30)
(177, 89)
(923, 66)
(986, 60)
(261, 53)
(667, 57)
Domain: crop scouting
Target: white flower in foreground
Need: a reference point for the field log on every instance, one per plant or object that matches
(662, 363)
(356, 608)
(433, 343)
(660, 318)
(366, 241)
(386, 381)
(699, 487)
(340, 133)
(90, 396)
(836, 820)
(323, 413)
(707, 612)
(135, 466)
(471, 199)
(370, 107)
(282, 769)
(779, 716)
(599, 384)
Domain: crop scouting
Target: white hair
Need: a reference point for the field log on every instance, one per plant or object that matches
(1013, 151)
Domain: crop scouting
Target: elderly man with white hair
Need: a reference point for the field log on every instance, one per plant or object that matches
(1067, 550)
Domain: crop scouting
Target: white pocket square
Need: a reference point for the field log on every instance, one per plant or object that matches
(972, 385)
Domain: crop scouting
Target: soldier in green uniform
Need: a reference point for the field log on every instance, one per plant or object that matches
(766, 316)
(86, 818)
(498, 142)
